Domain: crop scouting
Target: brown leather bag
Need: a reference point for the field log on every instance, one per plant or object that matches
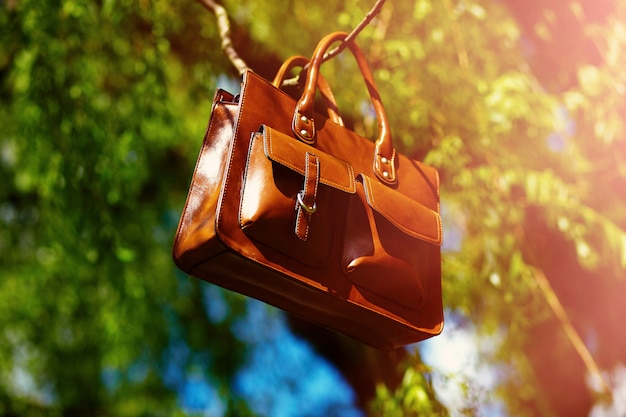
(293, 209)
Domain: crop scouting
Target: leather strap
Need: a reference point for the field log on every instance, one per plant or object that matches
(305, 202)
(303, 124)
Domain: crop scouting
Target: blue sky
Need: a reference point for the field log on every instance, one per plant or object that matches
(282, 376)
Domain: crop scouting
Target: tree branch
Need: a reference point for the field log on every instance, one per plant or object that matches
(350, 38)
(457, 35)
(223, 24)
(570, 331)
(355, 32)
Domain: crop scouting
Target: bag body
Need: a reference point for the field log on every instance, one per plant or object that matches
(296, 210)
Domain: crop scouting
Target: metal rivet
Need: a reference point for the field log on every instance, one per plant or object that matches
(384, 160)
(304, 133)
(386, 174)
(304, 119)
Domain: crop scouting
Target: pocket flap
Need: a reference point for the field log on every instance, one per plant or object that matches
(407, 215)
(290, 153)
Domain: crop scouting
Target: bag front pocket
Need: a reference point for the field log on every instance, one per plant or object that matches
(391, 245)
(290, 199)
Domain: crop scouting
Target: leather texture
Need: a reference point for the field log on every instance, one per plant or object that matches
(292, 208)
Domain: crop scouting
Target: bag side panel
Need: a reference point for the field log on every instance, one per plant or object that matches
(196, 239)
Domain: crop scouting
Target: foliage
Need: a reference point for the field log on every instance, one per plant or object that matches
(414, 397)
(91, 153)
(103, 104)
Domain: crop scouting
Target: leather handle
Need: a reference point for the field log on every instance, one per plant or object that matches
(303, 124)
(298, 61)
